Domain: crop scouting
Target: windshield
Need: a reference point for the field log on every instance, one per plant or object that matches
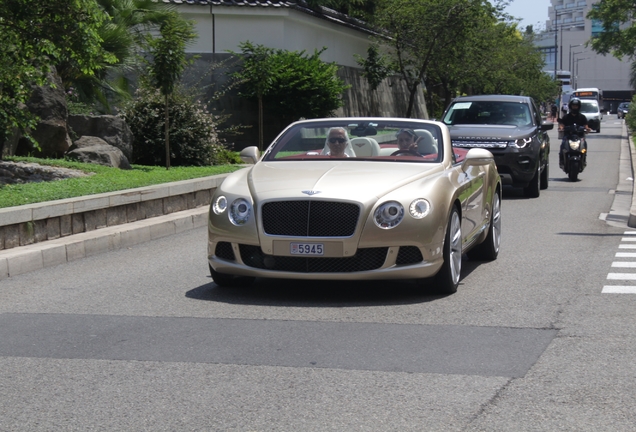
(588, 107)
(347, 140)
(488, 113)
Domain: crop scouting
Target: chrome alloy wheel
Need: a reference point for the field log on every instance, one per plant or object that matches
(496, 222)
(455, 247)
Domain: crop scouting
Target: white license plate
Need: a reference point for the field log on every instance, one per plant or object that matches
(307, 249)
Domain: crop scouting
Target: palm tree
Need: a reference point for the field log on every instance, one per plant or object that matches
(123, 37)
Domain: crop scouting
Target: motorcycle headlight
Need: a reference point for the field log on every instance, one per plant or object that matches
(220, 205)
(419, 208)
(521, 142)
(575, 144)
(388, 215)
(240, 211)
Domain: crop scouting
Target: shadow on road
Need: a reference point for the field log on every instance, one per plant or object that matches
(335, 293)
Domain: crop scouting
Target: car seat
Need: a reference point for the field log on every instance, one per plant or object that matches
(426, 144)
(365, 147)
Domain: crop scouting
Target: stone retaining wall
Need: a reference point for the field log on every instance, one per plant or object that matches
(24, 225)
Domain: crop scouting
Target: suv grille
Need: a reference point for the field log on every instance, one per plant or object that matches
(363, 260)
(480, 144)
(310, 218)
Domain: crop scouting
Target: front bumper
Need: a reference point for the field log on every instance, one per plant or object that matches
(407, 262)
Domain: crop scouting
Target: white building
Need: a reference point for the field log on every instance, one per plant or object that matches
(567, 32)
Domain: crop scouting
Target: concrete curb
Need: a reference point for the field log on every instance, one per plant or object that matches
(37, 256)
(631, 221)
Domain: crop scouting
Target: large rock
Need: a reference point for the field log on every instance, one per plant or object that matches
(90, 149)
(111, 129)
(49, 104)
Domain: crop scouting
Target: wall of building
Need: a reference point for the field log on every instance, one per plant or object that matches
(574, 30)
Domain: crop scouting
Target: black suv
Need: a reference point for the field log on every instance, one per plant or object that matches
(622, 110)
(510, 127)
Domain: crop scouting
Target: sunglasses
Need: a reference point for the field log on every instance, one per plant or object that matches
(337, 140)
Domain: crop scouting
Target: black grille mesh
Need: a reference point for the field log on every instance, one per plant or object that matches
(409, 255)
(310, 218)
(363, 260)
(224, 250)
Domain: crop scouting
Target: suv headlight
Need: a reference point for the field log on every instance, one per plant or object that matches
(521, 142)
(240, 211)
(388, 215)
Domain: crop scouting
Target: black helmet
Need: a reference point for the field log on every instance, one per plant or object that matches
(574, 102)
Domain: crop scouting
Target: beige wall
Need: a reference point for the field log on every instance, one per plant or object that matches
(281, 28)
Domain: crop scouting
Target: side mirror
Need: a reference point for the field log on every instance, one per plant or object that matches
(478, 157)
(250, 155)
(546, 126)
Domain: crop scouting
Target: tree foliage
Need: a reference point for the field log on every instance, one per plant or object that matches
(296, 84)
(421, 32)
(123, 36)
(168, 61)
(36, 35)
(619, 32)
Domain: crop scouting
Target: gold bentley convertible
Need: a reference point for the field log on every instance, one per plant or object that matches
(356, 199)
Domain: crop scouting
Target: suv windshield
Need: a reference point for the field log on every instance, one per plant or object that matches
(488, 113)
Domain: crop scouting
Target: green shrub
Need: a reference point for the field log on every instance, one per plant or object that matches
(194, 137)
(630, 118)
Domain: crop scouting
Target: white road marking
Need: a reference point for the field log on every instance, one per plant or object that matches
(629, 239)
(624, 264)
(621, 276)
(627, 246)
(617, 289)
(630, 233)
(625, 255)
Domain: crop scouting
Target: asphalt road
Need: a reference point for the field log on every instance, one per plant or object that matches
(142, 339)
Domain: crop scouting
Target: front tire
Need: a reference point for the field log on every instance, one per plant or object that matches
(573, 172)
(545, 174)
(447, 279)
(488, 250)
(534, 188)
(230, 281)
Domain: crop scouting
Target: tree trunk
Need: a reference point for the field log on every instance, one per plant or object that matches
(260, 123)
(167, 136)
(409, 110)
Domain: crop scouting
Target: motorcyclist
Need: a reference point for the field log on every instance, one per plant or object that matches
(573, 116)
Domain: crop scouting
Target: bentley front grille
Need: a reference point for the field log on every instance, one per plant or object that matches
(310, 218)
(363, 260)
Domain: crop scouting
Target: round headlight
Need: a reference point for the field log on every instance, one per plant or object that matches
(522, 142)
(240, 211)
(420, 208)
(220, 205)
(389, 215)
(575, 144)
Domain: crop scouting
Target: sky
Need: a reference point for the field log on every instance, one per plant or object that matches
(531, 12)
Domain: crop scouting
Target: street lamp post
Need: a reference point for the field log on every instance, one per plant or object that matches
(570, 56)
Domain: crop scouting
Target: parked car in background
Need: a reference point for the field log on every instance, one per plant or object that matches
(512, 129)
(356, 199)
(593, 113)
(622, 110)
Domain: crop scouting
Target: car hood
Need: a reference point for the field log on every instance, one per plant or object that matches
(490, 132)
(346, 180)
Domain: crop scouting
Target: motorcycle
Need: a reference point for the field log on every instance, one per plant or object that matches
(574, 151)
